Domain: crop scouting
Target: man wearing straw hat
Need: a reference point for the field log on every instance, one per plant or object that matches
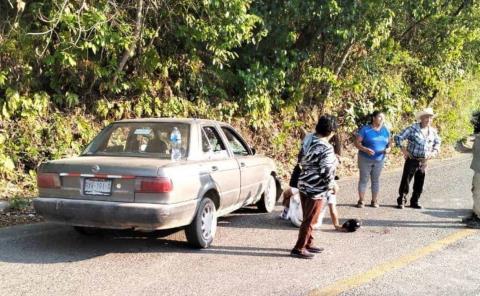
(423, 143)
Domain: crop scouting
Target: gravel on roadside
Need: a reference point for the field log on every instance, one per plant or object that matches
(25, 215)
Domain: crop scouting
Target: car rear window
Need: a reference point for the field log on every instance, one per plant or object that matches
(139, 139)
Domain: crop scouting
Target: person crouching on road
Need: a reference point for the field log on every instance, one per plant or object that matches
(474, 220)
(316, 180)
(373, 142)
(423, 144)
(293, 184)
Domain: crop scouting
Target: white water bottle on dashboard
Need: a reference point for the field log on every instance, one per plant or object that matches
(176, 144)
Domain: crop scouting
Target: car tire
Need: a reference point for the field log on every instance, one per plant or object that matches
(89, 231)
(269, 197)
(201, 231)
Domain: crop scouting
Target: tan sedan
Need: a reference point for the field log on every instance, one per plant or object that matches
(149, 174)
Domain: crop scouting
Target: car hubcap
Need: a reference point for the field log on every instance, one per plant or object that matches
(209, 221)
(271, 194)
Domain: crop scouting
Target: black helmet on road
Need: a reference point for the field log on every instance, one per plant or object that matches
(351, 225)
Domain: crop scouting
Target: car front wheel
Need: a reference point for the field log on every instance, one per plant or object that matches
(267, 202)
(201, 231)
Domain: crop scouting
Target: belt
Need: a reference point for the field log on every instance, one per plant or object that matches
(417, 158)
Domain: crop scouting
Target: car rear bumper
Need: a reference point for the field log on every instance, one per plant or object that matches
(116, 215)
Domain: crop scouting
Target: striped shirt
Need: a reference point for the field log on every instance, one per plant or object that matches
(419, 145)
(318, 169)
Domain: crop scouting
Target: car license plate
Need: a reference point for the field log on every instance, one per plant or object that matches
(94, 186)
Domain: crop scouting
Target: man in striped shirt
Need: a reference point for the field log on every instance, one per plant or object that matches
(423, 144)
(316, 181)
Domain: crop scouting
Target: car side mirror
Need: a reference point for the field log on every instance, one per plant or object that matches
(254, 151)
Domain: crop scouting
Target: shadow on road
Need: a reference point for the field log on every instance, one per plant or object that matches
(447, 213)
(47, 243)
(412, 224)
(52, 244)
(450, 218)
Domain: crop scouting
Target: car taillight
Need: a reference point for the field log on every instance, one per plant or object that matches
(48, 180)
(153, 185)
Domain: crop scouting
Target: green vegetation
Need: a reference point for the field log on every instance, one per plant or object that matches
(18, 203)
(270, 67)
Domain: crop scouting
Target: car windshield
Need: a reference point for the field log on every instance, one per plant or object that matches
(139, 139)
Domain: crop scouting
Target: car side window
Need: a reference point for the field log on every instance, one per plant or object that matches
(205, 144)
(238, 145)
(211, 140)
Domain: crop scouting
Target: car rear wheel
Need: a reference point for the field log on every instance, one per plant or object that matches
(201, 231)
(267, 202)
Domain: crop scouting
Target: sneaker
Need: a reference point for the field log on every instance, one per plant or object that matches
(360, 204)
(304, 254)
(315, 249)
(284, 214)
(374, 204)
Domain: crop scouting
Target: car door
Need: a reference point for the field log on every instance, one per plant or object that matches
(223, 168)
(251, 169)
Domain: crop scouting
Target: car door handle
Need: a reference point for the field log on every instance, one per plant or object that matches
(242, 164)
(214, 168)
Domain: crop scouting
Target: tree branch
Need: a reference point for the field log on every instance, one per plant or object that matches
(460, 8)
(339, 66)
(418, 22)
(323, 49)
(344, 56)
(130, 51)
(432, 97)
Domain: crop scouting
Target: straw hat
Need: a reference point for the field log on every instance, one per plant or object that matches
(426, 111)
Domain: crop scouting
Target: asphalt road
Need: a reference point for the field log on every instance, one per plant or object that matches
(396, 252)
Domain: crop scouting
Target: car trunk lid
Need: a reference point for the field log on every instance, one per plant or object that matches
(99, 177)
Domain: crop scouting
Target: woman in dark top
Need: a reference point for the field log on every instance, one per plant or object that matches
(315, 183)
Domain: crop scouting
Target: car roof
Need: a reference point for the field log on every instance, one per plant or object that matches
(180, 120)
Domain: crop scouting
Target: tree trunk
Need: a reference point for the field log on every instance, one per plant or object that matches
(432, 97)
(461, 7)
(130, 52)
(323, 49)
(339, 66)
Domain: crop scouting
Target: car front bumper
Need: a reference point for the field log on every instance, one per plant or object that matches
(115, 215)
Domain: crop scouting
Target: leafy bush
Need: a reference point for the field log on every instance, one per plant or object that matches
(67, 68)
(19, 203)
(455, 109)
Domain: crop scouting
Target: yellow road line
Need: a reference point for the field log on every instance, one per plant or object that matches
(379, 270)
